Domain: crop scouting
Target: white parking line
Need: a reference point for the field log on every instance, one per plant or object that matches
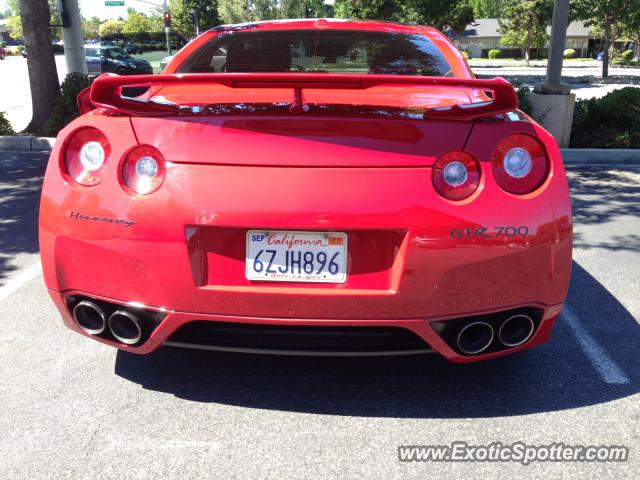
(17, 281)
(606, 367)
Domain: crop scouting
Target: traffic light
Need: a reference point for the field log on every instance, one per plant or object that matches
(193, 18)
(167, 19)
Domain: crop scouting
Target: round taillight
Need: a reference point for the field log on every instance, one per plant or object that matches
(520, 164)
(86, 156)
(456, 175)
(143, 170)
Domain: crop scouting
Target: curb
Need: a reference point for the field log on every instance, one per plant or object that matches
(26, 143)
(571, 156)
(601, 156)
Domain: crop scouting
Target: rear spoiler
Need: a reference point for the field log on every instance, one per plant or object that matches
(110, 91)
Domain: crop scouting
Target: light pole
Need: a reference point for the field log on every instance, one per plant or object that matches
(167, 26)
(71, 23)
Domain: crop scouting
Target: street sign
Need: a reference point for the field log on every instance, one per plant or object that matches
(114, 3)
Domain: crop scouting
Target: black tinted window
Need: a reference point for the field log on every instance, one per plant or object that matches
(335, 51)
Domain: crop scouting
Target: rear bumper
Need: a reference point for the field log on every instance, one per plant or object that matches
(420, 327)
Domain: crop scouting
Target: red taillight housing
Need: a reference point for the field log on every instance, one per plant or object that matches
(86, 156)
(143, 170)
(456, 175)
(520, 164)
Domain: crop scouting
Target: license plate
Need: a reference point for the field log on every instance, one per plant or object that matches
(281, 256)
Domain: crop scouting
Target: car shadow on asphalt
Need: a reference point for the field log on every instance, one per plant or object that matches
(600, 195)
(20, 185)
(554, 376)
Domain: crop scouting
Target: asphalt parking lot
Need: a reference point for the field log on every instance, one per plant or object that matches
(75, 409)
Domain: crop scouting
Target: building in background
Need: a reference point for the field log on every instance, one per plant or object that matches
(482, 35)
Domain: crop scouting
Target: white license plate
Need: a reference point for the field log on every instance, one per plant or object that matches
(280, 256)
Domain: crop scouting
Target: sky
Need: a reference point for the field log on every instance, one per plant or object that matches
(91, 8)
(96, 8)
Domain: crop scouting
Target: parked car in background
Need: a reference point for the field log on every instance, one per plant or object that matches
(101, 59)
(165, 61)
(132, 48)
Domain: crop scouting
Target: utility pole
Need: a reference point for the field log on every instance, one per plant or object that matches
(193, 19)
(556, 48)
(167, 26)
(552, 101)
(72, 36)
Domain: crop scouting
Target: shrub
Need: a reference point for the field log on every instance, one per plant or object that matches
(627, 56)
(569, 53)
(612, 121)
(523, 96)
(65, 108)
(466, 54)
(493, 54)
(5, 126)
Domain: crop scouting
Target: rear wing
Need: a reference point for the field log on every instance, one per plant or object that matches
(113, 92)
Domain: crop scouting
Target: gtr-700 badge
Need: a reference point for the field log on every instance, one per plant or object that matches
(487, 232)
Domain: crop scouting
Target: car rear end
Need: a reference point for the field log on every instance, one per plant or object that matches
(317, 212)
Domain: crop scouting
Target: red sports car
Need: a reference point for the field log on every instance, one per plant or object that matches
(308, 187)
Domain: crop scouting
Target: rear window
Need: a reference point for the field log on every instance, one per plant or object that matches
(331, 51)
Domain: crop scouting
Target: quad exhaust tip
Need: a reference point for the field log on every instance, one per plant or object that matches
(125, 327)
(89, 317)
(475, 338)
(516, 330)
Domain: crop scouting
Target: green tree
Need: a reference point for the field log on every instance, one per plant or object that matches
(631, 30)
(526, 24)
(111, 27)
(13, 7)
(608, 16)
(14, 26)
(156, 20)
(487, 8)
(391, 10)
(206, 11)
(137, 24)
(235, 11)
(91, 28)
(441, 14)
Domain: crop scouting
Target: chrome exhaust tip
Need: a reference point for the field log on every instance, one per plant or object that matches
(475, 338)
(125, 327)
(516, 330)
(89, 317)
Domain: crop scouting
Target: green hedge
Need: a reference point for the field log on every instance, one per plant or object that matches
(627, 55)
(569, 53)
(65, 108)
(493, 54)
(523, 96)
(612, 121)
